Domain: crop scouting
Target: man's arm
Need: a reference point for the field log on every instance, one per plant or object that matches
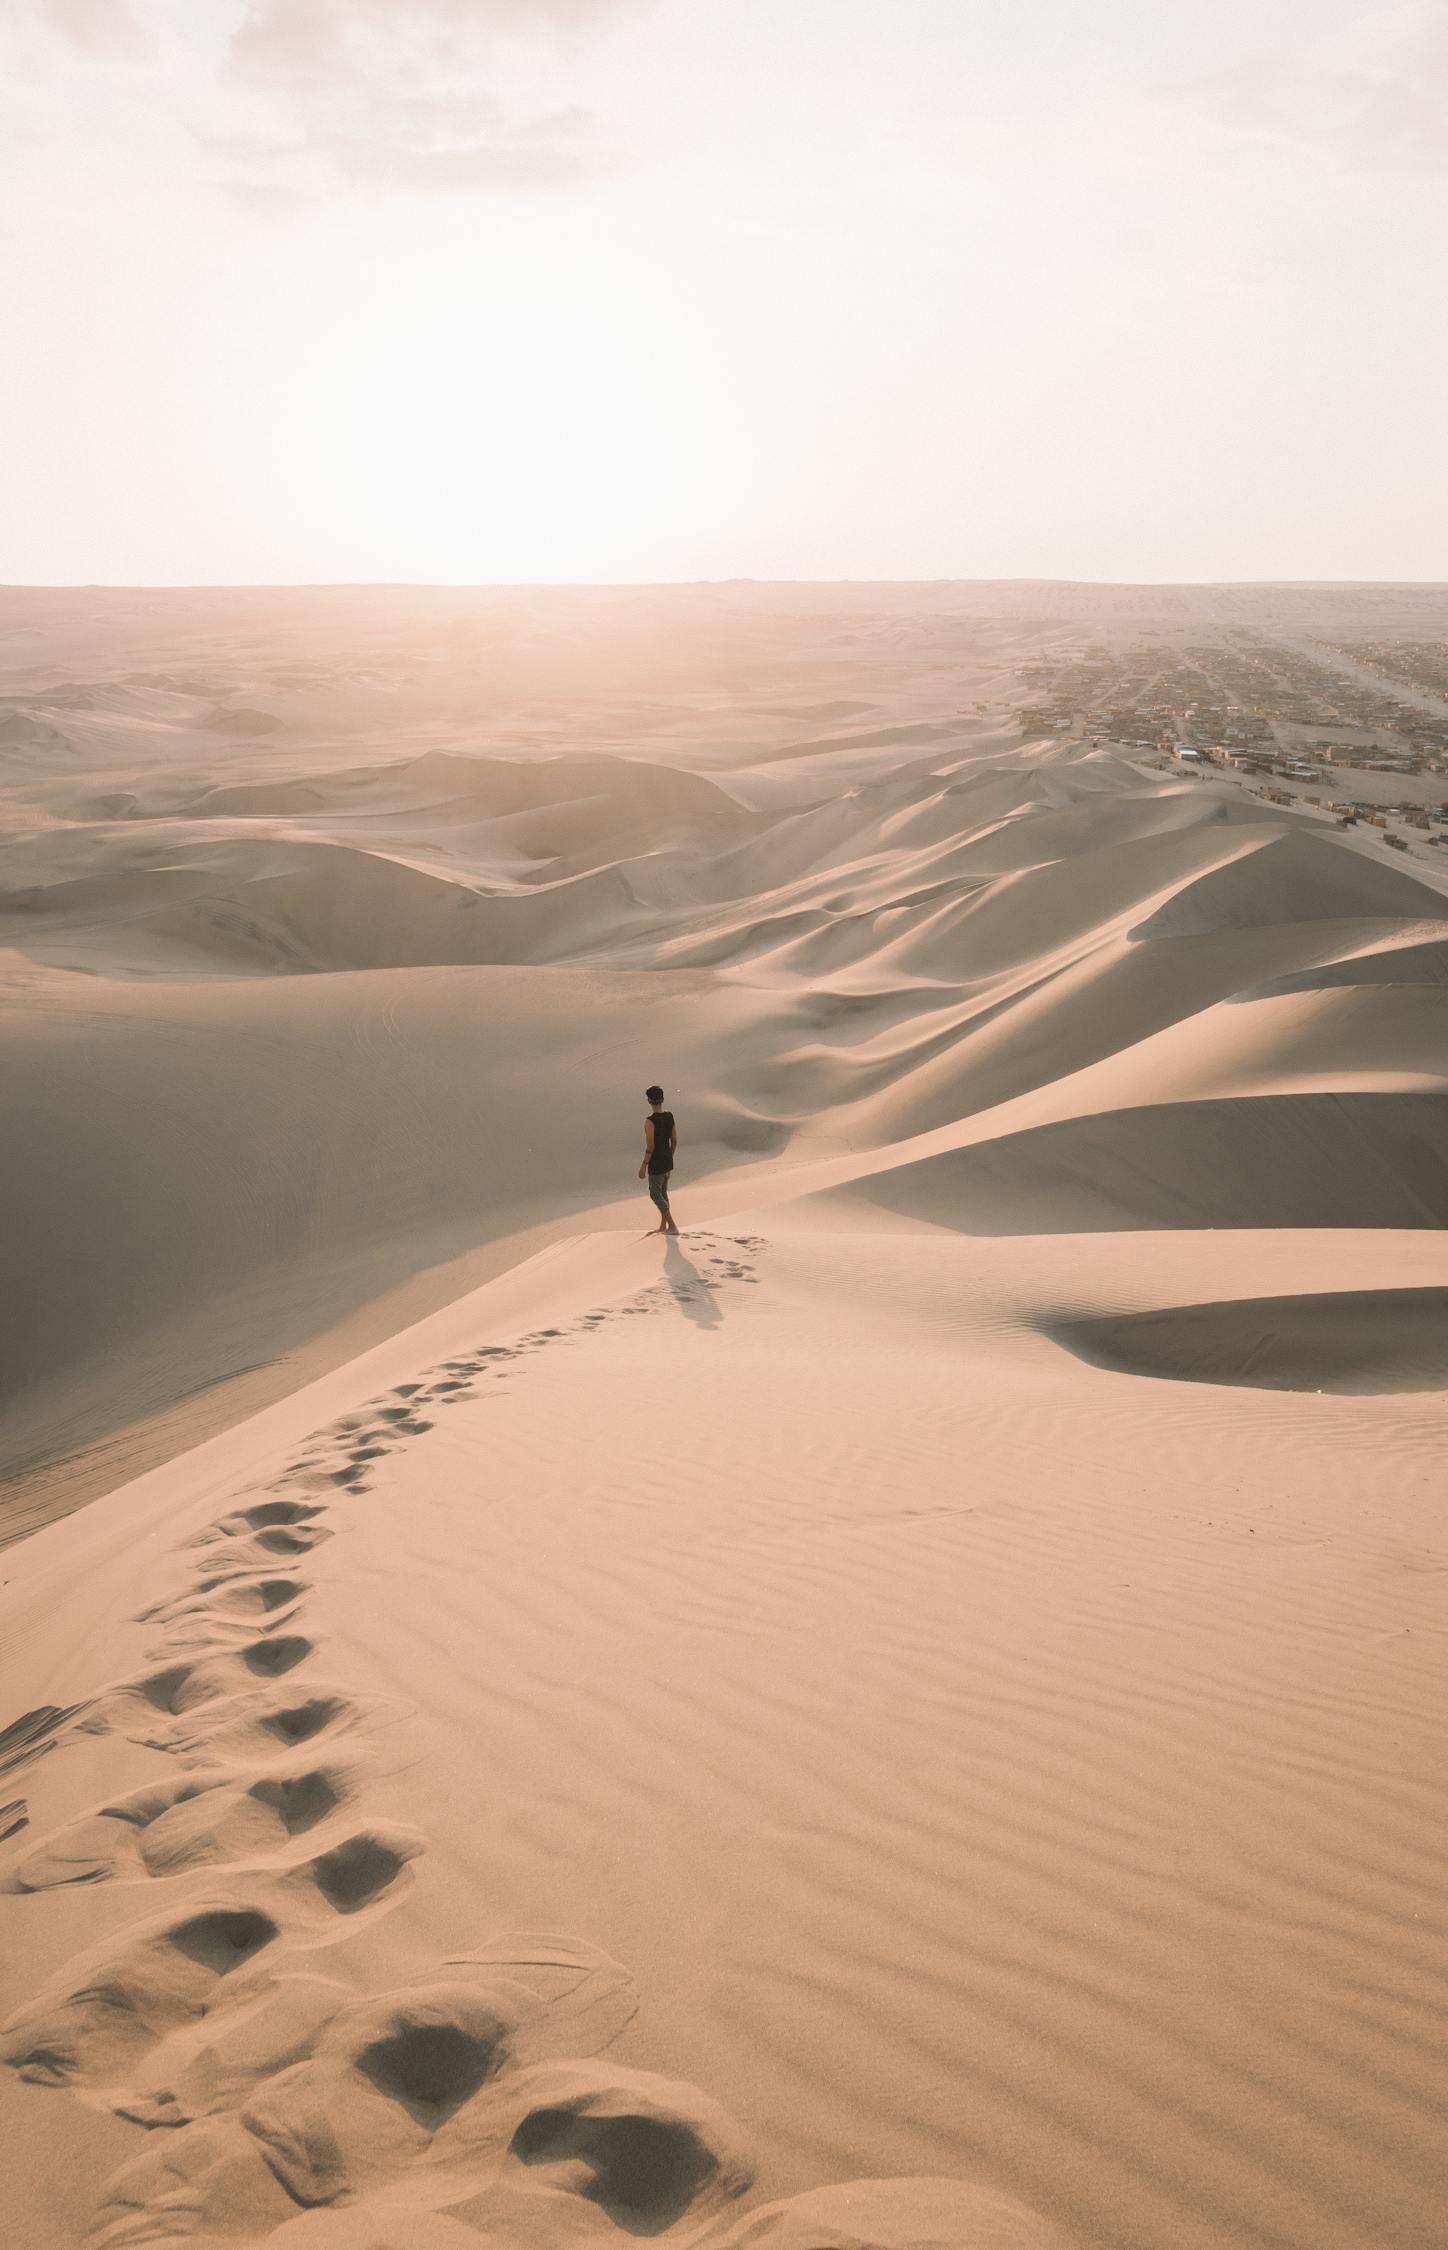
(648, 1146)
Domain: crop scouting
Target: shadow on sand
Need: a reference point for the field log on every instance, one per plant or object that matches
(692, 1294)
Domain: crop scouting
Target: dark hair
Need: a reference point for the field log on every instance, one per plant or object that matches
(654, 1094)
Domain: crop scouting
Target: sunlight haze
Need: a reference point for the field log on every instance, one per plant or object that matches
(563, 290)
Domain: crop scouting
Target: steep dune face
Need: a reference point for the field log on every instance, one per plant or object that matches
(1402, 959)
(1297, 877)
(1268, 1160)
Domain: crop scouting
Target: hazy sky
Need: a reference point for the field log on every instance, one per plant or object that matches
(632, 289)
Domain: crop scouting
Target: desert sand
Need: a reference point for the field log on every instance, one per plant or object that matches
(908, 1716)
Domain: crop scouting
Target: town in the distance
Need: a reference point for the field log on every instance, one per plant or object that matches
(1354, 725)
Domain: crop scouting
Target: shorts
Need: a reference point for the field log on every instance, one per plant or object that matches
(659, 1189)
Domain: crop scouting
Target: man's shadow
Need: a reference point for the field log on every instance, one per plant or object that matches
(692, 1294)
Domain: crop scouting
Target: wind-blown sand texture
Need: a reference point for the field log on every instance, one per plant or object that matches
(909, 1716)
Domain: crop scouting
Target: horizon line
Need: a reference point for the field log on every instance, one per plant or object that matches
(651, 585)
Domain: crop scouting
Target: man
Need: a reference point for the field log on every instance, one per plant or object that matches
(660, 1141)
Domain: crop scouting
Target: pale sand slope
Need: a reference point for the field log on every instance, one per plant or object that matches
(939, 1758)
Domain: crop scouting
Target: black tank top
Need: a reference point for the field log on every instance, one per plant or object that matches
(662, 1159)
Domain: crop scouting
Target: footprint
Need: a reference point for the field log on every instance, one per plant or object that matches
(360, 2113)
(300, 1801)
(229, 1597)
(430, 2064)
(645, 2170)
(266, 1515)
(198, 1635)
(90, 2028)
(92, 2031)
(252, 1725)
(433, 2075)
(269, 1659)
(606, 2151)
(231, 1820)
(171, 1828)
(180, 1688)
(259, 1550)
(287, 1539)
(355, 1874)
(237, 1559)
(131, 1705)
(303, 1722)
(284, 2095)
(388, 2076)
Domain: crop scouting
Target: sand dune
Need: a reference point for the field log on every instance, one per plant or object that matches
(1350, 1342)
(1293, 878)
(869, 959)
(989, 1888)
(1306, 1160)
(905, 1718)
(268, 1154)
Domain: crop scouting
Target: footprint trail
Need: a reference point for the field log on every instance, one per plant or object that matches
(464, 2110)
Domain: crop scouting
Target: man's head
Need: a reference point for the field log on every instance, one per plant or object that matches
(654, 1095)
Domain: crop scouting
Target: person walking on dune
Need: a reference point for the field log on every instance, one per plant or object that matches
(660, 1140)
